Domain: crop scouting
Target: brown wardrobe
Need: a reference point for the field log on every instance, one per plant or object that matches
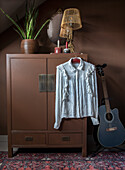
(31, 104)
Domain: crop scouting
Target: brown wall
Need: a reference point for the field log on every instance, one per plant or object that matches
(102, 38)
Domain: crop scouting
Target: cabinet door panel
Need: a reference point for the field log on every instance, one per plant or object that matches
(66, 124)
(28, 104)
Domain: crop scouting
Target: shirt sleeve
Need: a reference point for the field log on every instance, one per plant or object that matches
(94, 97)
(58, 98)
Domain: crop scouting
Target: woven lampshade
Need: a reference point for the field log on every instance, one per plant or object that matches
(71, 18)
(65, 33)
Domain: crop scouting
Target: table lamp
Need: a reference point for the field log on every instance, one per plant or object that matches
(71, 20)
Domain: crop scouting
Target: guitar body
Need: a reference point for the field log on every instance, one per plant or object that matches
(111, 133)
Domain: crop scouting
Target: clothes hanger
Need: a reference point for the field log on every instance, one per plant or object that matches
(76, 60)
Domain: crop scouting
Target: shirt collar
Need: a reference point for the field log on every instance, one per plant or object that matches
(80, 66)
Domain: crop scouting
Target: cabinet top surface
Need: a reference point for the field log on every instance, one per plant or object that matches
(51, 56)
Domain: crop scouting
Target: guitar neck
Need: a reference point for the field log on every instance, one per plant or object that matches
(107, 104)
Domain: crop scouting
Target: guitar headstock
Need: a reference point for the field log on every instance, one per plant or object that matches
(100, 69)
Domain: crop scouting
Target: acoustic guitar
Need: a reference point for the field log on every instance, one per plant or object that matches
(111, 132)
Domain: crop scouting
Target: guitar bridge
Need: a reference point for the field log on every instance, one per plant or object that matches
(111, 129)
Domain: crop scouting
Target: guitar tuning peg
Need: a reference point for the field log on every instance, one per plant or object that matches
(104, 65)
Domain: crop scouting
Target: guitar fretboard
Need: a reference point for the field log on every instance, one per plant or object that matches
(107, 104)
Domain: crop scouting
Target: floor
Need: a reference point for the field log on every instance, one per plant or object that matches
(4, 143)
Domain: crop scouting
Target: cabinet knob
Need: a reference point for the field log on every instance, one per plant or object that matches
(65, 138)
(28, 138)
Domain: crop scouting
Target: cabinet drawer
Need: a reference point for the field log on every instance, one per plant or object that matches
(28, 139)
(65, 139)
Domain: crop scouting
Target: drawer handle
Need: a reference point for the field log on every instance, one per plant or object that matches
(65, 138)
(28, 138)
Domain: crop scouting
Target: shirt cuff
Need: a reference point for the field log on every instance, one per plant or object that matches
(94, 121)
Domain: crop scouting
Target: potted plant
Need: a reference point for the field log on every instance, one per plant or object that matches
(28, 34)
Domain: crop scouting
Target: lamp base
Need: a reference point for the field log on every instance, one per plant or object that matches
(71, 47)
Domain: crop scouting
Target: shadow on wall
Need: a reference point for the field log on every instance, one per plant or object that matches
(7, 38)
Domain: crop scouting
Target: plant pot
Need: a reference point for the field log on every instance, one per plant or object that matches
(29, 46)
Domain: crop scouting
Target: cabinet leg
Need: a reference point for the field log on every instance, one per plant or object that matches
(84, 146)
(84, 152)
(10, 152)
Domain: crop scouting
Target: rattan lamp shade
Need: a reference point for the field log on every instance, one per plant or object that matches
(71, 18)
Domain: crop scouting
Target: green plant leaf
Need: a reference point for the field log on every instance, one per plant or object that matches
(29, 27)
(41, 28)
(18, 33)
(21, 31)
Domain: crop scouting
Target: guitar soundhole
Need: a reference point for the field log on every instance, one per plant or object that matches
(109, 116)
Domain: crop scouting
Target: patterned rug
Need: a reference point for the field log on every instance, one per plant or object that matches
(62, 161)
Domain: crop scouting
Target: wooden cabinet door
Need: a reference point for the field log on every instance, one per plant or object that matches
(29, 106)
(66, 124)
